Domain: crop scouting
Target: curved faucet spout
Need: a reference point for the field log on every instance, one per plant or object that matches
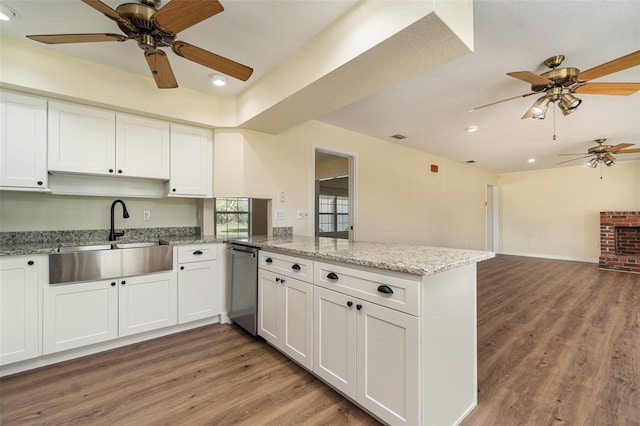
(113, 235)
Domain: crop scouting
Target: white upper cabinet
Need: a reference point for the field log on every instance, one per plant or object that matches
(94, 141)
(23, 142)
(191, 162)
(142, 147)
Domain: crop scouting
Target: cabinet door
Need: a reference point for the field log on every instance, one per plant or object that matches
(191, 162)
(18, 309)
(335, 339)
(197, 291)
(81, 314)
(142, 147)
(81, 139)
(297, 321)
(269, 309)
(23, 141)
(388, 370)
(147, 302)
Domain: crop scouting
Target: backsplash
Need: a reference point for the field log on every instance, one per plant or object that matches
(30, 237)
(282, 231)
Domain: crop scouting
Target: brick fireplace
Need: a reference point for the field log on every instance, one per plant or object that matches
(620, 241)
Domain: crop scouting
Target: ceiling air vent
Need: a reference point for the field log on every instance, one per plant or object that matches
(398, 136)
(470, 161)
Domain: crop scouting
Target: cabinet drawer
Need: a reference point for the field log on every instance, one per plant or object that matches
(395, 291)
(290, 266)
(196, 253)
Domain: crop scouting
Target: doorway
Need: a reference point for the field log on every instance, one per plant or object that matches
(334, 209)
(492, 219)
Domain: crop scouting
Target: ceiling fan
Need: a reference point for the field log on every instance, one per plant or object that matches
(560, 84)
(602, 153)
(152, 29)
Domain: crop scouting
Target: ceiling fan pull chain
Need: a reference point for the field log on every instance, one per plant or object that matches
(554, 122)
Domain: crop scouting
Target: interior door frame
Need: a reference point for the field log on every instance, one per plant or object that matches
(353, 185)
(492, 210)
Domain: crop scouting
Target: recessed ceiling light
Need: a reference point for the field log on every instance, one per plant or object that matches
(6, 13)
(218, 79)
(471, 129)
(531, 160)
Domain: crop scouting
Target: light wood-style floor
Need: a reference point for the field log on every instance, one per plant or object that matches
(558, 343)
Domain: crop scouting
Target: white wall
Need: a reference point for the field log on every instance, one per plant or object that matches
(27, 211)
(555, 212)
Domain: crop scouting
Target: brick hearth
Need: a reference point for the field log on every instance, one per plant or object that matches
(626, 257)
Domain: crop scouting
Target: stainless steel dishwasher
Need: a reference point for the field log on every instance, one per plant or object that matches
(242, 286)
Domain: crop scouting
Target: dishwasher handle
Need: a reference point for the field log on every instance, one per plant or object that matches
(242, 252)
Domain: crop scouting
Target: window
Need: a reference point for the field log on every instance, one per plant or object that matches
(333, 213)
(232, 217)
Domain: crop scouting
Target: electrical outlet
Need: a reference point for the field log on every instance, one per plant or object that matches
(147, 215)
(279, 214)
(283, 197)
(303, 214)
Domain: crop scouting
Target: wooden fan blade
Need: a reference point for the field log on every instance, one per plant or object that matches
(610, 157)
(531, 78)
(619, 89)
(582, 153)
(527, 114)
(622, 63)
(618, 147)
(574, 159)
(76, 38)
(178, 15)
(504, 100)
(161, 69)
(106, 10)
(629, 151)
(211, 60)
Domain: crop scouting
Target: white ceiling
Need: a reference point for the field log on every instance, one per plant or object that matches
(431, 108)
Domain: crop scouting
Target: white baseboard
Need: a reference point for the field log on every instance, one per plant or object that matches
(551, 256)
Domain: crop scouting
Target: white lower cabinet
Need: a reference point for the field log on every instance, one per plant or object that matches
(81, 314)
(19, 333)
(198, 291)
(285, 315)
(370, 353)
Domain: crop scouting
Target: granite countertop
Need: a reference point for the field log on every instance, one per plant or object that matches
(412, 259)
(52, 246)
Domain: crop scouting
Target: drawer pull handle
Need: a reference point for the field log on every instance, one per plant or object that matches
(385, 289)
(332, 276)
(197, 252)
(349, 303)
(268, 260)
(295, 267)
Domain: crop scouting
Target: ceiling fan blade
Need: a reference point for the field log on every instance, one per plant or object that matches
(106, 10)
(610, 157)
(531, 78)
(619, 89)
(622, 63)
(618, 147)
(178, 15)
(527, 114)
(582, 153)
(504, 100)
(574, 159)
(211, 60)
(629, 151)
(76, 38)
(161, 69)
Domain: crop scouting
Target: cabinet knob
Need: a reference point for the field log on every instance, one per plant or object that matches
(358, 306)
(30, 263)
(113, 284)
(40, 182)
(182, 268)
(123, 282)
(385, 289)
(332, 276)
(268, 260)
(282, 280)
(349, 303)
(119, 171)
(110, 170)
(277, 279)
(174, 190)
(295, 267)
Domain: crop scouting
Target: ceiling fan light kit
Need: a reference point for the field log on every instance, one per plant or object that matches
(154, 28)
(602, 153)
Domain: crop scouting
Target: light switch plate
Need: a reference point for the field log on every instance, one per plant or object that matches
(279, 214)
(147, 215)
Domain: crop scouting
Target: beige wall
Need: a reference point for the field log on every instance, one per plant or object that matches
(28, 211)
(555, 212)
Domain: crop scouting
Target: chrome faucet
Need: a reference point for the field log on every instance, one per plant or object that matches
(113, 235)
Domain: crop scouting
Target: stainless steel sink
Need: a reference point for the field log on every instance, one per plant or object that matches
(98, 262)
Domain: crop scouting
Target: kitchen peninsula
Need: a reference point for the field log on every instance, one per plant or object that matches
(390, 326)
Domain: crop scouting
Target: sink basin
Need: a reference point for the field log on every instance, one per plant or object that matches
(107, 261)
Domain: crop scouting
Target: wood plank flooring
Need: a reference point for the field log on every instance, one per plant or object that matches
(558, 343)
